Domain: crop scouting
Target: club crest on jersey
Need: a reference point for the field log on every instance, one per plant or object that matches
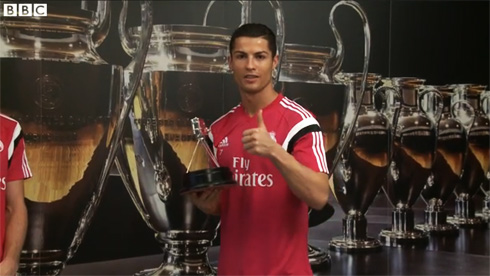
(223, 143)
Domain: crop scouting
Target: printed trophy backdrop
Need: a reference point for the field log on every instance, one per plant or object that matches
(80, 112)
(70, 124)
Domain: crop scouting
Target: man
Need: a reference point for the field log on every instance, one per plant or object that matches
(13, 213)
(274, 147)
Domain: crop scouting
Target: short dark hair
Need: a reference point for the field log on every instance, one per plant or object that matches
(255, 30)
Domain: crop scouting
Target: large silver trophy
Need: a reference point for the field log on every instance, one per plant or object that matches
(307, 76)
(66, 97)
(485, 106)
(363, 167)
(414, 147)
(446, 173)
(185, 74)
(476, 167)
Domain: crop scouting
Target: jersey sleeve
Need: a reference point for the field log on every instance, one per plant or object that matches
(305, 142)
(18, 167)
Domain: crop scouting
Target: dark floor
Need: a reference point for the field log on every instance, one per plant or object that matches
(465, 254)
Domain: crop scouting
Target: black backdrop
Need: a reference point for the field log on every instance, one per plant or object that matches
(440, 41)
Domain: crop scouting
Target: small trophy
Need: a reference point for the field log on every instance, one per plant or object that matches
(208, 178)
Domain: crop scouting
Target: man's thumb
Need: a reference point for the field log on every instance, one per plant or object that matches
(260, 120)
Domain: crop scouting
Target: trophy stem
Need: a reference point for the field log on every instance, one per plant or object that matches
(41, 262)
(464, 213)
(354, 237)
(403, 232)
(486, 209)
(319, 259)
(185, 253)
(435, 222)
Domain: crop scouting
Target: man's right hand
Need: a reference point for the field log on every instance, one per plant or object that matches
(207, 201)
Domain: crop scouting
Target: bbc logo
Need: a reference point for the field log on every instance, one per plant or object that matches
(25, 9)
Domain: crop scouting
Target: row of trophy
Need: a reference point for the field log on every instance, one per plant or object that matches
(429, 141)
(140, 118)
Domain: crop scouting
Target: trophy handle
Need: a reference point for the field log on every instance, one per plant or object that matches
(339, 55)
(124, 171)
(280, 29)
(129, 94)
(347, 133)
(456, 109)
(390, 107)
(485, 102)
(128, 45)
(102, 21)
(246, 17)
(433, 110)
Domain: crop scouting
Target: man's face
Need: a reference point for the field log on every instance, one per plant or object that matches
(252, 63)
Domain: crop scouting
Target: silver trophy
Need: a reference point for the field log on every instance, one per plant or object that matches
(203, 179)
(446, 173)
(476, 167)
(185, 76)
(71, 125)
(307, 76)
(363, 168)
(485, 105)
(414, 146)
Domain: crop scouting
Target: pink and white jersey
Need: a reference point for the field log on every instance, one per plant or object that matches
(264, 226)
(13, 164)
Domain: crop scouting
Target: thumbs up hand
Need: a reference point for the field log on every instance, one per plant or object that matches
(258, 140)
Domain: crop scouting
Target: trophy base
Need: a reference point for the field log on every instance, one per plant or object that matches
(319, 259)
(368, 245)
(475, 222)
(45, 262)
(181, 269)
(485, 217)
(439, 229)
(185, 253)
(413, 238)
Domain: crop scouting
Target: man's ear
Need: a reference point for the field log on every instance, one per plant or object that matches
(275, 60)
(229, 62)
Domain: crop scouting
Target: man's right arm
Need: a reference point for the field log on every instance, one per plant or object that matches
(207, 201)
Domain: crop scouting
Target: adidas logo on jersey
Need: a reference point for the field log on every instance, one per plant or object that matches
(223, 143)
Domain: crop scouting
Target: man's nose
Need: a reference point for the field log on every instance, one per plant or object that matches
(250, 63)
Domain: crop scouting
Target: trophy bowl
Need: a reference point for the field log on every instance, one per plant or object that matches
(305, 62)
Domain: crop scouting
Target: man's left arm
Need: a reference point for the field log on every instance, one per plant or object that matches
(310, 186)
